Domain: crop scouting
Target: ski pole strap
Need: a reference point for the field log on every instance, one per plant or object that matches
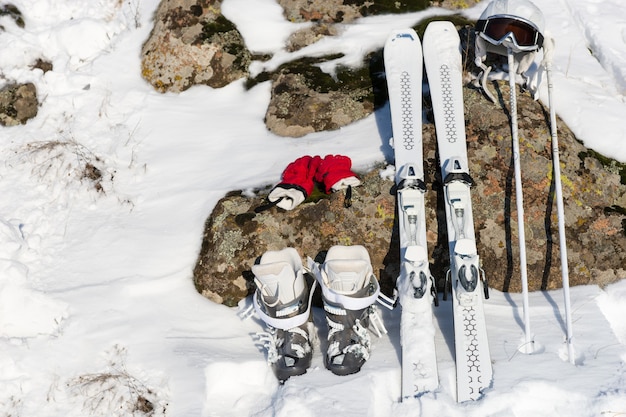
(284, 323)
(464, 177)
(267, 205)
(347, 201)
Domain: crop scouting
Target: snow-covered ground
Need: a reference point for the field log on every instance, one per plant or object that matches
(98, 312)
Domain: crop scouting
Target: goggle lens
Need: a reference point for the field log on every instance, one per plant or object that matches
(499, 27)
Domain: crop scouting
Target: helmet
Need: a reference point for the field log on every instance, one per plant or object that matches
(504, 25)
(520, 8)
(509, 27)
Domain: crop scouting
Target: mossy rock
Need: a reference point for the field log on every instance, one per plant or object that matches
(595, 198)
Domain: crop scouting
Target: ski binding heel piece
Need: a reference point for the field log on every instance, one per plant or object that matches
(413, 276)
(466, 259)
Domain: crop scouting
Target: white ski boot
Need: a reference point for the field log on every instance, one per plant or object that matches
(283, 301)
(349, 289)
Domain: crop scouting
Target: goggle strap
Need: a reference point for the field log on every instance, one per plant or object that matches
(481, 25)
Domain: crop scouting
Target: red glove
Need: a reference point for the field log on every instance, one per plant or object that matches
(297, 182)
(335, 173)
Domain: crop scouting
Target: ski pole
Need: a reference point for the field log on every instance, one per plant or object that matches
(527, 347)
(559, 204)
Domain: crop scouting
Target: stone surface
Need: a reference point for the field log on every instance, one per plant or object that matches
(18, 104)
(594, 192)
(192, 43)
(235, 236)
(304, 99)
(13, 13)
(346, 11)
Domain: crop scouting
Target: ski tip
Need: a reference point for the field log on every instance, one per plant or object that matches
(402, 45)
(403, 35)
(441, 42)
(441, 25)
(440, 28)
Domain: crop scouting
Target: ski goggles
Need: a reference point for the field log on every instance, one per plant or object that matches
(503, 29)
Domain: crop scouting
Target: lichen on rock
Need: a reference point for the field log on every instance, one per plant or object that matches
(594, 209)
(18, 104)
(193, 43)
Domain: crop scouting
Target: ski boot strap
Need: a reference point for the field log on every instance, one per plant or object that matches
(284, 323)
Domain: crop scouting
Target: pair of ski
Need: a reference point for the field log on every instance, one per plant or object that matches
(416, 288)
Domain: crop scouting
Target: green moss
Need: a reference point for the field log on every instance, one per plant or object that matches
(242, 56)
(231, 300)
(609, 164)
(366, 83)
(457, 19)
(317, 195)
(615, 209)
(223, 32)
(261, 78)
(261, 57)
(369, 8)
(315, 78)
(217, 26)
(305, 66)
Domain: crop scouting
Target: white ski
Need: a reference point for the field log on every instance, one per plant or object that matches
(403, 68)
(442, 57)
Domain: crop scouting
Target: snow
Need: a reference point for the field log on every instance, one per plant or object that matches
(97, 304)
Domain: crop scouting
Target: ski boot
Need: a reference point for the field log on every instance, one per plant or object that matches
(349, 289)
(283, 301)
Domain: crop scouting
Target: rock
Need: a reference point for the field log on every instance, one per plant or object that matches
(326, 11)
(12, 12)
(594, 195)
(595, 211)
(235, 236)
(192, 43)
(454, 4)
(305, 99)
(18, 101)
(309, 35)
(18, 104)
(346, 11)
